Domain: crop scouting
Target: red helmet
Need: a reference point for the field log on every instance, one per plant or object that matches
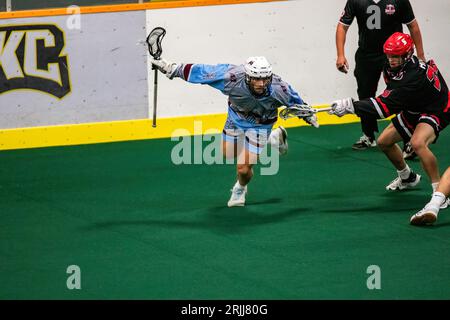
(399, 44)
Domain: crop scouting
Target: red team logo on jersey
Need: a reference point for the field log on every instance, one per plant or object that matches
(386, 93)
(432, 75)
(390, 9)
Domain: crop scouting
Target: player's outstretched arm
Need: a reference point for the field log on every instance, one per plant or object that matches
(372, 107)
(212, 75)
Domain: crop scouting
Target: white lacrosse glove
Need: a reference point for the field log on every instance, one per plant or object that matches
(342, 107)
(312, 120)
(166, 67)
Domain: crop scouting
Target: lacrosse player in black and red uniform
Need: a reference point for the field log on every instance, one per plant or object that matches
(417, 93)
(377, 21)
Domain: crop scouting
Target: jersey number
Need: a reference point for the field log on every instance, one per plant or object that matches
(432, 75)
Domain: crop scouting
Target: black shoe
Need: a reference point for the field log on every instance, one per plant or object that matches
(408, 152)
(363, 143)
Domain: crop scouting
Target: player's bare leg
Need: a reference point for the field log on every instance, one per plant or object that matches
(229, 149)
(246, 160)
(387, 142)
(421, 139)
(244, 168)
(444, 184)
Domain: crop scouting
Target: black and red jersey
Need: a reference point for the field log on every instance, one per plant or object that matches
(377, 20)
(418, 87)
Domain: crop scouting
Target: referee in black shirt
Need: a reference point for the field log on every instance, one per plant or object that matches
(377, 21)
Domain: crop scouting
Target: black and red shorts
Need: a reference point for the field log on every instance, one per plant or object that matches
(405, 122)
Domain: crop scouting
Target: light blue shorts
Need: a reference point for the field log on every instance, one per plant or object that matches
(253, 136)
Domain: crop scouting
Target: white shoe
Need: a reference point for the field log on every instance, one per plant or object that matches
(283, 144)
(400, 184)
(445, 204)
(426, 216)
(237, 197)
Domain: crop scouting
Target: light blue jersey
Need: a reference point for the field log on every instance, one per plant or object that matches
(246, 112)
(230, 79)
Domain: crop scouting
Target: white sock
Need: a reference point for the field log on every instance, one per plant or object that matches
(238, 185)
(404, 174)
(434, 186)
(436, 201)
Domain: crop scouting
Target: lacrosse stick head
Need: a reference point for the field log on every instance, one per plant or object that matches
(297, 111)
(153, 40)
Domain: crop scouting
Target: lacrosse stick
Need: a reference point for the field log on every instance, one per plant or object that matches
(154, 48)
(300, 111)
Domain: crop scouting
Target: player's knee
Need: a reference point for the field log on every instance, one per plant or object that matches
(384, 143)
(418, 144)
(244, 169)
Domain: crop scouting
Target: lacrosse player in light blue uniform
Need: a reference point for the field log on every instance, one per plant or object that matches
(254, 96)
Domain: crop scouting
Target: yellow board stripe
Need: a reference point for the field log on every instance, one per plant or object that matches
(140, 129)
(124, 7)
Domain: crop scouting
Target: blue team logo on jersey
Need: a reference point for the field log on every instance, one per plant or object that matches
(390, 9)
(209, 76)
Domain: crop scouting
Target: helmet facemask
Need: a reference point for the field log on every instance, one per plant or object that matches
(258, 75)
(254, 84)
(399, 46)
(403, 61)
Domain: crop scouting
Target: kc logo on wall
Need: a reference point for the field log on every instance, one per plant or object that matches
(31, 57)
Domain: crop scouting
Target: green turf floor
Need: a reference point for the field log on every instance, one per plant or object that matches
(140, 227)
